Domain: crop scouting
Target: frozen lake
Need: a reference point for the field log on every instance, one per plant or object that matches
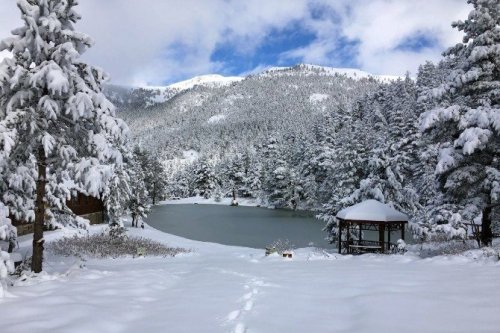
(241, 226)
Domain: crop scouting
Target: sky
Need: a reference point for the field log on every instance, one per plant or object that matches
(156, 42)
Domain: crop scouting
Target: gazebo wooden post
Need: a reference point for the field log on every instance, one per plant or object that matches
(348, 237)
(389, 237)
(403, 231)
(359, 233)
(340, 236)
(381, 236)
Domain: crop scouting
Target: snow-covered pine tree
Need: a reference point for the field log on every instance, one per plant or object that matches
(54, 115)
(467, 122)
(205, 180)
(393, 156)
(7, 232)
(116, 195)
(138, 200)
(374, 152)
(155, 177)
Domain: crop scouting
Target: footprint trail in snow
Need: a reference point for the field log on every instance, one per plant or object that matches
(247, 301)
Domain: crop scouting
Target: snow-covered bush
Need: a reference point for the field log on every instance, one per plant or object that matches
(453, 247)
(485, 253)
(400, 247)
(279, 246)
(108, 245)
(117, 232)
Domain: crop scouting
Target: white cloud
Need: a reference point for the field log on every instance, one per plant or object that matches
(150, 41)
(381, 25)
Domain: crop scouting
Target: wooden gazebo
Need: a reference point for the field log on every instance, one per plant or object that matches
(369, 215)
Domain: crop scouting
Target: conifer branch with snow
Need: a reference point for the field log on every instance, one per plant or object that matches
(54, 116)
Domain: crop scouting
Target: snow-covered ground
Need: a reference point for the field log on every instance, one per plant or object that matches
(230, 289)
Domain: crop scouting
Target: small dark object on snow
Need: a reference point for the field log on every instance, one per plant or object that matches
(287, 254)
(270, 250)
(142, 225)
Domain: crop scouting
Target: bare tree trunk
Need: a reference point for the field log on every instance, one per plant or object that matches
(486, 233)
(36, 264)
(154, 194)
(12, 245)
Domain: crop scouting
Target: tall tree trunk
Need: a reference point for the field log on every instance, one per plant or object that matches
(36, 264)
(486, 233)
(154, 193)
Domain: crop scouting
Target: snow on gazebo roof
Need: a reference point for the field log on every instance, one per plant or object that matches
(372, 210)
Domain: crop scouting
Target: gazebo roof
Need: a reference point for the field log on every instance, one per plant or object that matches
(372, 210)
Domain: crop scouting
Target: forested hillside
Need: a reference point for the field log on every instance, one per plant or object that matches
(305, 137)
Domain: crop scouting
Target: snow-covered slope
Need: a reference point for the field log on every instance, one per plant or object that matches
(206, 80)
(148, 96)
(198, 112)
(161, 94)
(308, 69)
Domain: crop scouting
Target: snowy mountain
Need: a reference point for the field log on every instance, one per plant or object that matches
(308, 69)
(214, 80)
(282, 97)
(270, 130)
(148, 96)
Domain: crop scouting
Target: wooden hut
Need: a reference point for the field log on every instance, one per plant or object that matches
(88, 207)
(369, 215)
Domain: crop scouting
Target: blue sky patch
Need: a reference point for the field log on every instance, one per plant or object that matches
(417, 42)
(277, 41)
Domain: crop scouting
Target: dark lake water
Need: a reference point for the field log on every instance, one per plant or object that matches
(242, 226)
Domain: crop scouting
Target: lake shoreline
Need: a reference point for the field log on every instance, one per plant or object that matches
(243, 202)
(247, 226)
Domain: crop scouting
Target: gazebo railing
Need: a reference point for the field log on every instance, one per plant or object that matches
(366, 246)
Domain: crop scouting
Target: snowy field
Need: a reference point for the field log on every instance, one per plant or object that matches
(229, 289)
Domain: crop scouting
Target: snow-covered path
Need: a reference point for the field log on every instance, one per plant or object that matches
(230, 289)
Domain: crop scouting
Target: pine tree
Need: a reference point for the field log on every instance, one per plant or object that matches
(155, 177)
(54, 118)
(139, 196)
(205, 180)
(116, 195)
(466, 125)
(7, 232)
